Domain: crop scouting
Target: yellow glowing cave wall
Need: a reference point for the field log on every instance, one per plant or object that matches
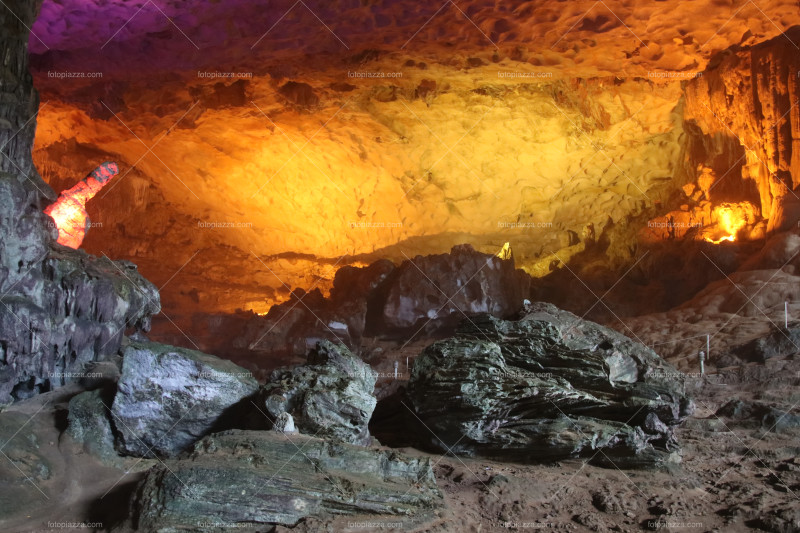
(519, 163)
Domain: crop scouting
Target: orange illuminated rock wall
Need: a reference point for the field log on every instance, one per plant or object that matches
(390, 131)
(747, 109)
(69, 211)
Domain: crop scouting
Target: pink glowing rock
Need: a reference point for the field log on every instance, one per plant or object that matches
(69, 211)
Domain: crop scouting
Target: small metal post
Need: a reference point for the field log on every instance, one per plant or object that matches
(786, 315)
(396, 365)
(708, 345)
(702, 363)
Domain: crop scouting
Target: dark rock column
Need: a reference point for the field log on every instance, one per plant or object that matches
(19, 101)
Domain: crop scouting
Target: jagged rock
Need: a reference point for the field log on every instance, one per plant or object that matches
(780, 342)
(295, 327)
(441, 289)
(74, 308)
(170, 397)
(332, 396)
(263, 477)
(90, 424)
(759, 415)
(284, 423)
(547, 387)
(785, 519)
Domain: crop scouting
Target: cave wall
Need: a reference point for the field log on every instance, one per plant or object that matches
(746, 110)
(548, 125)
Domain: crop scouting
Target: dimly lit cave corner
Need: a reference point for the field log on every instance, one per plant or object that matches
(501, 285)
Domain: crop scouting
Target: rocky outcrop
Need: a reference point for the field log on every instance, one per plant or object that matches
(548, 387)
(332, 396)
(779, 342)
(759, 415)
(59, 308)
(245, 477)
(20, 99)
(168, 398)
(441, 289)
(744, 121)
(295, 327)
(432, 293)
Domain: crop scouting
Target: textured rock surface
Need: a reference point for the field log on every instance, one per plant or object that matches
(442, 289)
(89, 422)
(779, 342)
(295, 327)
(549, 387)
(745, 106)
(25, 466)
(72, 307)
(332, 396)
(20, 99)
(759, 415)
(238, 478)
(168, 397)
(58, 309)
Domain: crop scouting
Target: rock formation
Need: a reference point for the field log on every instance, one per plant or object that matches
(332, 396)
(168, 398)
(430, 293)
(745, 106)
(548, 387)
(238, 478)
(294, 327)
(443, 288)
(58, 308)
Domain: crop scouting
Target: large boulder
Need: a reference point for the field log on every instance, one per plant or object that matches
(550, 386)
(168, 398)
(439, 290)
(89, 424)
(332, 396)
(245, 478)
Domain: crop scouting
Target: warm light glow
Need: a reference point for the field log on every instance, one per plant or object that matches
(69, 211)
(730, 218)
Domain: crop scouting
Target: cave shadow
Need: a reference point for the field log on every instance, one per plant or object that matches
(113, 509)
